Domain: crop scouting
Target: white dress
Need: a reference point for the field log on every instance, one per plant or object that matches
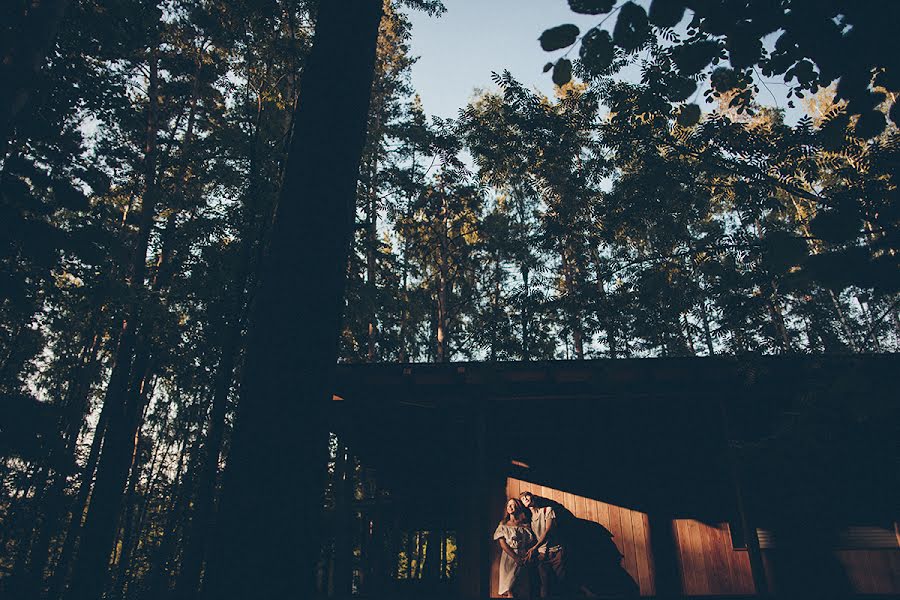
(519, 538)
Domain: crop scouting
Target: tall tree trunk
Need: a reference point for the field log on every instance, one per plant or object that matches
(54, 501)
(707, 330)
(98, 536)
(573, 317)
(526, 315)
(202, 518)
(783, 336)
(158, 579)
(443, 277)
(371, 251)
(123, 561)
(495, 308)
(601, 292)
(63, 566)
(688, 338)
(268, 527)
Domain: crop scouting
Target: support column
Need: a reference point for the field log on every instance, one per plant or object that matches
(481, 492)
(342, 574)
(754, 553)
(664, 552)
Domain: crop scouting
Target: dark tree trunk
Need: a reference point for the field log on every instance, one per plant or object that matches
(573, 316)
(202, 518)
(54, 502)
(123, 562)
(782, 335)
(342, 578)
(268, 526)
(526, 315)
(60, 575)
(443, 284)
(159, 577)
(89, 576)
(371, 252)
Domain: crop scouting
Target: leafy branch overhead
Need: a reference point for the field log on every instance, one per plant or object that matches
(809, 44)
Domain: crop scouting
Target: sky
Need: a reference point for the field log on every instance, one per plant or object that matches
(458, 50)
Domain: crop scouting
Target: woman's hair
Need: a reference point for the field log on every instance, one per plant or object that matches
(520, 515)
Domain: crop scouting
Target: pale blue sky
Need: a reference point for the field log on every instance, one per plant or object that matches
(458, 50)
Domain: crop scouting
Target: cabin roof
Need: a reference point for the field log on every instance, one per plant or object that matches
(642, 433)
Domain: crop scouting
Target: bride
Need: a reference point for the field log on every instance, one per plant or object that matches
(516, 537)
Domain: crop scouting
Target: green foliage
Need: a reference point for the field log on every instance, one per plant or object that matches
(559, 37)
(562, 72)
(817, 45)
(591, 7)
(632, 27)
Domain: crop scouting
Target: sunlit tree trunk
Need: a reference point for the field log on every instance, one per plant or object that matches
(268, 527)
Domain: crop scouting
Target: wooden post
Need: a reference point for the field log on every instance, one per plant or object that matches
(754, 553)
(664, 552)
(342, 577)
(480, 491)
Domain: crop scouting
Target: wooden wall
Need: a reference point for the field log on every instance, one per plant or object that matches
(629, 528)
(875, 571)
(872, 571)
(707, 563)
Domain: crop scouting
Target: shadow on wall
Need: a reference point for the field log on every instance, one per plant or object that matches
(595, 562)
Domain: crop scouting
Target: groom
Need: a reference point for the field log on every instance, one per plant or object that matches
(549, 550)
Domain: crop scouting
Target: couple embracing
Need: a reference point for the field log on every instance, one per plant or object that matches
(529, 537)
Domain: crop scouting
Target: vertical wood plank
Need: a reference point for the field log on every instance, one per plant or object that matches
(614, 527)
(640, 552)
(767, 559)
(602, 509)
(679, 554)
(702, 567)
(894, 560)
(722, 548)
(691, 563)
(880, 566)
(718, 560)
(628, 539)
(744, 577)
(651, 566)
(735, 561)
(579, 508)
(709, 563)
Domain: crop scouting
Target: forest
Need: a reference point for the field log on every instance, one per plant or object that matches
(206, 203)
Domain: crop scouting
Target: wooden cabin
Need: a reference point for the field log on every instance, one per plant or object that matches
(676, 477)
